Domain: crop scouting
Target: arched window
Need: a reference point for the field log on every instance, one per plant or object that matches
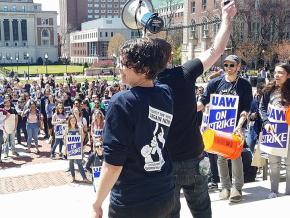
(45, 37)
(204, 27)
(193, 30)
(216, 26)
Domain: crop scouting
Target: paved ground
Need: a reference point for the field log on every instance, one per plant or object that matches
(34, 186)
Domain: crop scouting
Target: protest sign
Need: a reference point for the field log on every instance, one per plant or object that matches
(59, 130)
(277, 141)
(96, 175)
(222, 113)
(67, 111)
(74, 147)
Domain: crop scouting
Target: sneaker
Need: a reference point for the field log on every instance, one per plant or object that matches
(272, 195)
(52, 157)
(224, 194)
(73, 179)
(212, 186)
(236, 195)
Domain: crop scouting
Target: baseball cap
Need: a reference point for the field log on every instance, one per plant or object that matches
(233, 58)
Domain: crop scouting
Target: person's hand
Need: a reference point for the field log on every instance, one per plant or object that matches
(239, 132)
(228, 11)
(268, 127)
(97, 211)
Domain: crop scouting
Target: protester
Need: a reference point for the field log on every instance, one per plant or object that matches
(231, 85)
(137, 169)
(3, 116)
(276, 94)
(58, 121)
(184, 139)
(73, 129)
(9, 128)
(96, 158)
(32, 126)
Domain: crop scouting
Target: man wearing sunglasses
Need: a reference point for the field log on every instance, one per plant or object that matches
(231, 84)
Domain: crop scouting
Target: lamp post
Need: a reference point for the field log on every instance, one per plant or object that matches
(27, 56)
(46, 57)
(115, 64)
(17, 59)
(65, 59)
(172, 53)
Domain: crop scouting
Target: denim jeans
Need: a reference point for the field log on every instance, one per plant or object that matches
(56, 143)
(80, 166)
(237, 173)
(32, 132)
(194, 187)
(1, 142)
(9, 142)
(160, 209)
(275, 166)
(214, 173)
(251, 138)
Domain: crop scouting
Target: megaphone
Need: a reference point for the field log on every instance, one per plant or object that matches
(138, 14)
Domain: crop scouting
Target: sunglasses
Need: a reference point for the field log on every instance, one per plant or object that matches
(97, 146)
(229, 65)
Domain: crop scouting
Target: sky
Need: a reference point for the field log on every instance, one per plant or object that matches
(49, 5)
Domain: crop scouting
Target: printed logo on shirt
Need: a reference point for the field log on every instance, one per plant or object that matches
(152, 153)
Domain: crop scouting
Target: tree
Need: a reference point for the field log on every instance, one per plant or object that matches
(114, 45)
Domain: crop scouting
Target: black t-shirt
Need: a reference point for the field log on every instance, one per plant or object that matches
(137, 124)
(184, 140)
(240, 87)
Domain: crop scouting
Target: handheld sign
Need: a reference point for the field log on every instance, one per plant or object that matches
(59, 130)
(277, 141)
(222, 113)
(74, 147)
(96, 175)
(67, 111)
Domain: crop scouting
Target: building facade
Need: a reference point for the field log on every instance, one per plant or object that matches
(26, 32)
(91, 43)
(171, 11)
(198, 39)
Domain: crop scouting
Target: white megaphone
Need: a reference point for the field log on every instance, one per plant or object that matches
(138, 14)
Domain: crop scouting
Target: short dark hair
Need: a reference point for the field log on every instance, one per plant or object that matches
(144, 56)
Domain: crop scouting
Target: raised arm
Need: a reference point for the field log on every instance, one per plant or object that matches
(210, 56)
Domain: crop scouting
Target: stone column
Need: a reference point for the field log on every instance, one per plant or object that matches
(11, 32)
(19, 32)
(2, 31)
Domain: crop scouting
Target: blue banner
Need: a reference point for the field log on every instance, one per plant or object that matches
(59, 131)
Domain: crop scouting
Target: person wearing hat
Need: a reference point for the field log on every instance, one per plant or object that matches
(231, 84)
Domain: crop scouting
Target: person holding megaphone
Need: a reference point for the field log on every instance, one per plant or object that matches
(276, 97)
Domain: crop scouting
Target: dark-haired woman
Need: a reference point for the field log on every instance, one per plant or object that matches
(32, 125)
(276, 93)
(58, 121)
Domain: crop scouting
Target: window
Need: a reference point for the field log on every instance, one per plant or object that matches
(193, 7)
(203, 4)
(112, 34)
(97, 16)
(109, 11)
(204, 28)
(96, 5)
(90, 5)
(115, 6)
(101, 34)
(13, 8)
(216, 26)
(23, 8)
(106, 34)
(103, 5)
(5, 8)
(90, 16)
(45, 39)
(103, 11)
(90, 11)
(109, 5)
(97, 11)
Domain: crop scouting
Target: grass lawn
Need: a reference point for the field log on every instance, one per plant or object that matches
(51, 69)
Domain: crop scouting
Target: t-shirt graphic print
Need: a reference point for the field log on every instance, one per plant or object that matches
(152, 153)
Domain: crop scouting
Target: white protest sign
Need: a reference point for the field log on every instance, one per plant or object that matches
(74, 147)
(277, 141)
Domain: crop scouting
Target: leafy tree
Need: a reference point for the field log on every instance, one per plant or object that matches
(114, 44)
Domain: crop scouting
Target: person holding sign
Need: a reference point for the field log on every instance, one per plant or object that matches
(73, 138)
(230, 100)
(58, 121)
(275, 138)
(136, 168)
